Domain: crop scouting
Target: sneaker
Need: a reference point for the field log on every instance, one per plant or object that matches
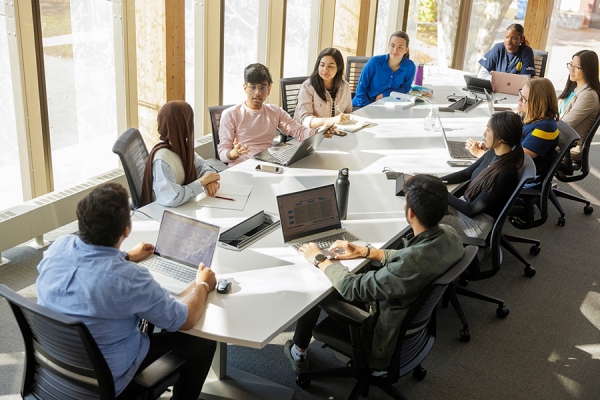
(297, 365)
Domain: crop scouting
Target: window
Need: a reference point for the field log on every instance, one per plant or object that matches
(297, 33)
(381, 36)
(189, 53)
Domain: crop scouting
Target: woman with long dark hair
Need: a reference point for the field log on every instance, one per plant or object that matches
(579, 101)
(324, 98)
(493, 178)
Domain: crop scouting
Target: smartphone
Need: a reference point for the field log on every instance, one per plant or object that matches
(454, 163)
(269, 168)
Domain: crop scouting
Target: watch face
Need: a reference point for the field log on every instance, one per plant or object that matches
(319, 258)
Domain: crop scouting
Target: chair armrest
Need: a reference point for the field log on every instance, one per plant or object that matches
(160, 369)
(345, 311)
(531, 193)
(467, 240)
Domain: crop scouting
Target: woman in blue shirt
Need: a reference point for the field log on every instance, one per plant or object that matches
(513, 56)
(386, 73)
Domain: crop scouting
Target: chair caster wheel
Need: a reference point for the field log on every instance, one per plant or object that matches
(561, 221)
(534, 250)
(464, 335)
(304, 383)
(529, 271)
(588, 210)
(419, 373)
(502, 311)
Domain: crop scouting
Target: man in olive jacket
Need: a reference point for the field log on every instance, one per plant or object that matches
(423, 257)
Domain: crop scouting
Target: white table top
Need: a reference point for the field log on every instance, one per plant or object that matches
(272, 284)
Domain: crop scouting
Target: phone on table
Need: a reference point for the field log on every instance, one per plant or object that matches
(269, 168)
(456, 163)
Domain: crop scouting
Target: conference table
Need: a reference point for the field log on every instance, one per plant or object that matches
(272, 284)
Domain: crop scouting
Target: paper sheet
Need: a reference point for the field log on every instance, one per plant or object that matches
(239, 194)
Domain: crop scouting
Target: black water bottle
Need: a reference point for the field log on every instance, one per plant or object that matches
(342, 192)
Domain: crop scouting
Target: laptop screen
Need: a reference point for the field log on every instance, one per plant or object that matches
(308, 212)
(186, 239)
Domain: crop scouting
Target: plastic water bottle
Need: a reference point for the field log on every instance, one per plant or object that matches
(429, 123)
(419, 75)
(342, 192)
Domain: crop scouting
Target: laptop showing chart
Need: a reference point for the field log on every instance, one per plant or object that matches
(312, 216)
(182, 244)
(456, 148)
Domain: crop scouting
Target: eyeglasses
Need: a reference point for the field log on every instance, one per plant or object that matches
(570, 66)
(521, 97)
(253, 88)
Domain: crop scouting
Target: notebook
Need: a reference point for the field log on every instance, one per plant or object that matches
(490, 103)
(475, 84)
(287, 154)
(456, 148)
(503, 82)
(182, 243)
(312, 216)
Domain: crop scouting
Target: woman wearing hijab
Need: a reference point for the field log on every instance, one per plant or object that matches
(174, 173)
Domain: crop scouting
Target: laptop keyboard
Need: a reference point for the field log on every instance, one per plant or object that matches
(282, 156)
(170, 269)
(326, 241)
(457, 150)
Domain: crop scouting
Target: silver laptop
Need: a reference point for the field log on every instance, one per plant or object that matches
(286, 154)
(490, 102)
(312, 216)
(475, 84)
(456, 148)
(503, 82)
(182, 244)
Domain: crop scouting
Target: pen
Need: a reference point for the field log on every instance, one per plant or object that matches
(224, 198)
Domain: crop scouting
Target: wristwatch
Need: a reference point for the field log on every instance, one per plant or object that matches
(319, 258)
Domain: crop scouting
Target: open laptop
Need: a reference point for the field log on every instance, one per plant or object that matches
(475, 84)
(312, 216)
(503, 82)
(456, 148)
(182, 244)
(287, 154)
(490, 103)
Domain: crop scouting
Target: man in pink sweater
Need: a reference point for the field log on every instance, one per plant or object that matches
(249, 128)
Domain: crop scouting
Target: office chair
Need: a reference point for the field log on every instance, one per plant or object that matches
(568, 175)
(132, 152)
(415, 339)
(290, 87)
(523, 217)
(354, 67)
(215, 121)
(540, 58)
(62, 359)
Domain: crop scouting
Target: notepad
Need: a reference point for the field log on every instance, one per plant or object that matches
(239, 194)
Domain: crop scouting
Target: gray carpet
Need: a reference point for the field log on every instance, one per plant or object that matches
(547, 348)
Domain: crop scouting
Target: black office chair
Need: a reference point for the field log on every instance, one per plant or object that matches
(524, 217)
(540, 58)
(568, 174)
(215, 121)
(290, 87)
(132, 152)
(354, 67)
(62, 359)
(415, 339)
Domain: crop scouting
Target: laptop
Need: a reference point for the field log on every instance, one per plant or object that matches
(490, 103)
(183, 243)
(312, 216)
(475, 84)
(456, 148)
(287, 154)
(503, 82)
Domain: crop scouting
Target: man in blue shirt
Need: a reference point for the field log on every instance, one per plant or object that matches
(386, 73)
(87, 277)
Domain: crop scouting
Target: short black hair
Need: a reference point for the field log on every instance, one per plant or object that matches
(257, 73)
(103, 215)
(427, 196)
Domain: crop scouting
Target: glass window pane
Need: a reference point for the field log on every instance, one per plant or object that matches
(381, 39)
(423, 31)
(80, 78)
(10, 174)
(240, 49)
(297, 32)
(345, 26)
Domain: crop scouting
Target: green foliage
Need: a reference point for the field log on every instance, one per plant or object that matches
(427, 10)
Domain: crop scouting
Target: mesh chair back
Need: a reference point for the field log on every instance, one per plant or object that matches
(585, 155)
(132, 151)
(62, 360)
(290, 87)
(540, 57)
(215, 121)
(418, 329)
(354, 67)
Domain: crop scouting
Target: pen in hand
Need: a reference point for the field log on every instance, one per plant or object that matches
(224, 198)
